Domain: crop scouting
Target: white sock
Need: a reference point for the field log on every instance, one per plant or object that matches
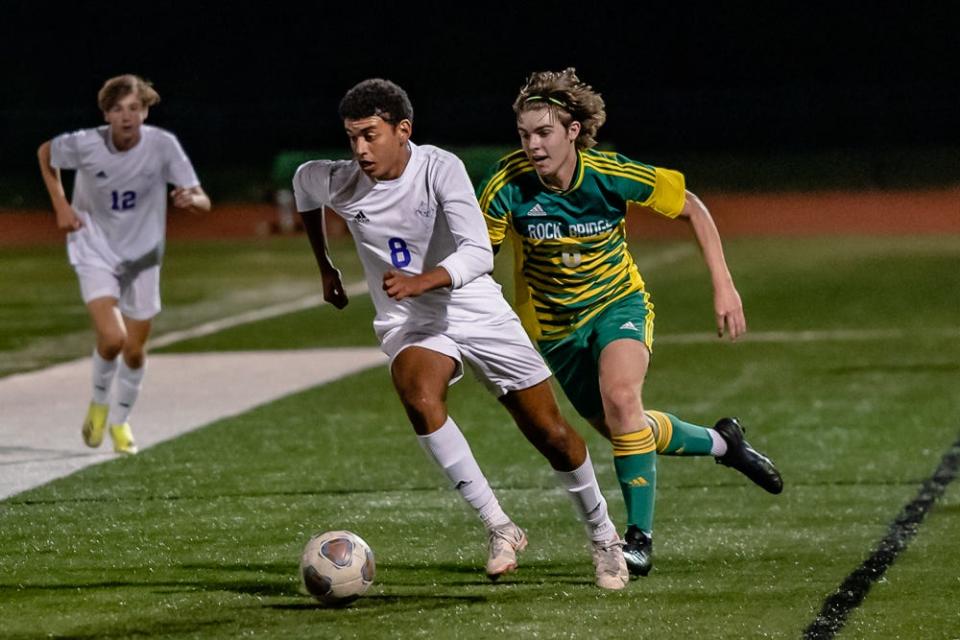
(450, 450)
(719, 446)
(128, 388)
(581, 485)
(103, 373)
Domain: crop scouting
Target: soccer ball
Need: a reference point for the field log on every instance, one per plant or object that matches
(337, 567)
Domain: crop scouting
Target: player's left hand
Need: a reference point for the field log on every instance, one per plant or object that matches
(182, 198)
(728, 309)
(399, 286)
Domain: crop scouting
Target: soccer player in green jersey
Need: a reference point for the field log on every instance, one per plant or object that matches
(581, 297)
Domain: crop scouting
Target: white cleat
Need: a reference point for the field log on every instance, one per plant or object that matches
(505, 542)
(610, 565)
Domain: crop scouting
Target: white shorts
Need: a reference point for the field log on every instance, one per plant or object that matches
(138, 298)
(497, 349)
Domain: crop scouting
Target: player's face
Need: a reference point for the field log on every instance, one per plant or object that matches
(549, 145)
(125, 119)
(378, 146)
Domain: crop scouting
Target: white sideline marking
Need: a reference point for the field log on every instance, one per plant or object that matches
(665, 257)
(827, 335)
(283, 308)
(41, 411)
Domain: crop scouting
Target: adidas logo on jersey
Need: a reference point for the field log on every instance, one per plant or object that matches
(536, 210)
(629, 325)
(361, 218)
(101, 174)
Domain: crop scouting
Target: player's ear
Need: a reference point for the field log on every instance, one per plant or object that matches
(405, 129)
(573, 130)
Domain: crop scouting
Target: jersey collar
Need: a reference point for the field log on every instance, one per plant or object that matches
(574, 184)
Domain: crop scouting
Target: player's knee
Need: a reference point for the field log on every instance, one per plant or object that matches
(620, 402)
(421, 405)
(134, 357)
(558, 437)
(110, 344)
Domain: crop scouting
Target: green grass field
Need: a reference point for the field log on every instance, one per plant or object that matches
(851, 382)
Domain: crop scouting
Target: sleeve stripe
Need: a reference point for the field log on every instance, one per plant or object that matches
(501, 178)
(505, 164)
(636, 177)
(634, 172)
(628, 165)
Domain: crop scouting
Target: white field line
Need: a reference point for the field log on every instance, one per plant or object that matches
(40, 433)
(283, 308)
(826, 335)
(41, 411)
(667, 256)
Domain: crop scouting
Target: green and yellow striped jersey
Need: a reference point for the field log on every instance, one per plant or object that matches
(570, 247)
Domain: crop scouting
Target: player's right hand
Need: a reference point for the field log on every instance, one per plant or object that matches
(333, 289)
(67, 219)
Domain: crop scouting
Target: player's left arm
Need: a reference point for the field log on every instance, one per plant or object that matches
(178, 170)
(193, 199)
(727, 306)
(473, 256)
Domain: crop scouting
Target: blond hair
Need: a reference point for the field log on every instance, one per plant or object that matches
(569, 98)
(117, 88)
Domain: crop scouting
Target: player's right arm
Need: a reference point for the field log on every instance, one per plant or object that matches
(311, 190)
(66, 217)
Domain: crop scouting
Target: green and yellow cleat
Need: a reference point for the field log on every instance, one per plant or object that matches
(94, 423)
(123, 438)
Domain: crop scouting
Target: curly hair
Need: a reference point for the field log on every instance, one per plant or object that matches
(119, 87)
(569, 97)
(376, 97)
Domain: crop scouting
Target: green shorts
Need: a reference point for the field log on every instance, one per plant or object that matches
(575, 359)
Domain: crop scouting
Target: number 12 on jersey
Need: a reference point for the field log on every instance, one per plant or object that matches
(399, 254)
(123, 200)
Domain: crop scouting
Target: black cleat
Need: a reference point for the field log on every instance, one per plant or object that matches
(745, 459)
(637, 551)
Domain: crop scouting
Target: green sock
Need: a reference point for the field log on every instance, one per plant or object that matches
(678, 438)
(637, 473)
(638, 482)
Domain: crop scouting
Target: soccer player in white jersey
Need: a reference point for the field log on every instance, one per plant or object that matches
(427, 259)
(115, 224)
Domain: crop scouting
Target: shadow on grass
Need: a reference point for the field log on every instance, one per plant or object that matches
(400, 601)
(278, 580)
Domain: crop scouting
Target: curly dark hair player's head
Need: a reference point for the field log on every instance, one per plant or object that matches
(377, 97)
(378, 120)
(568, 97)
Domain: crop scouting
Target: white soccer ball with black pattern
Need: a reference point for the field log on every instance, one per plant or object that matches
(337, 567)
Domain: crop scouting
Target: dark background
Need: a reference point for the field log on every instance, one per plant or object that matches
(691, 80)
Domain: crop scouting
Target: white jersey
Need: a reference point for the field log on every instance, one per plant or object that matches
(121, 196)
(427, 217)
